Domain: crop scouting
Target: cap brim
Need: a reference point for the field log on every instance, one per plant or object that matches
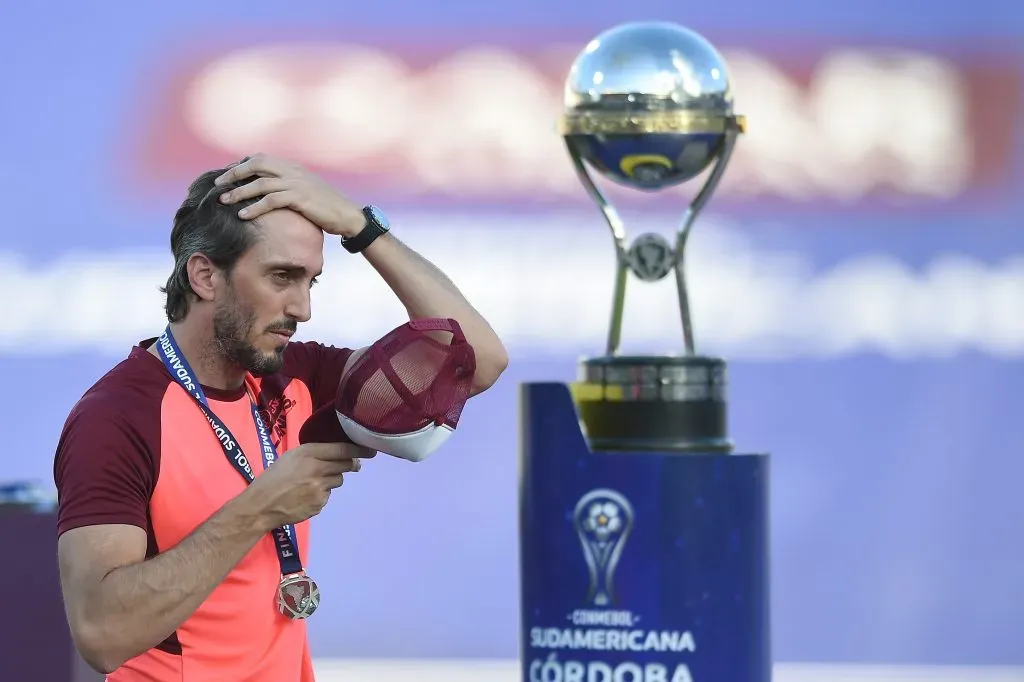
(323, 427)
(414, 446)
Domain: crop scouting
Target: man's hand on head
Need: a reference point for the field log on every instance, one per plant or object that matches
(283, 184)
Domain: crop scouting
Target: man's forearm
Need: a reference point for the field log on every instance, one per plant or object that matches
(425, 291)
(136, 607)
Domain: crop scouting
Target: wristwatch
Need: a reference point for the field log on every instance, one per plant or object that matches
(376, 224)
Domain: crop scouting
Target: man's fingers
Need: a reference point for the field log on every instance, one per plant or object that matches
(329, 452)
(358, 451)
(258, 164)
(239, 171)
(256, 188)
(340, 453)
(269, 203)
(331, 469)
(329, 483)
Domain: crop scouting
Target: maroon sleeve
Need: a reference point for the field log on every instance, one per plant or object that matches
(106, 463)
(319, 367)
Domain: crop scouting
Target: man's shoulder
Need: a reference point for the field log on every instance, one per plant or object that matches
(135, 384)
(108, 455)
(116, 422)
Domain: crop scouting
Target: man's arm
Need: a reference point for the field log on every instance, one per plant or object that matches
(425, 291)
(421, 287)
(119, 605)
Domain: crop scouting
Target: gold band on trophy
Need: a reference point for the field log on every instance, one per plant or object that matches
(648, 123)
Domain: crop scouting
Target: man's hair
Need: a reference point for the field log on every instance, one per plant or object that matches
(202, 224)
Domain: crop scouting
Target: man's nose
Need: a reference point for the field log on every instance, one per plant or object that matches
(299, 305)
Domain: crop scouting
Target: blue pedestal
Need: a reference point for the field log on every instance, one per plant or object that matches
(638, 567)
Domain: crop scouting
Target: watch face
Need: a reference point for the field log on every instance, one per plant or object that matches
(379, 217)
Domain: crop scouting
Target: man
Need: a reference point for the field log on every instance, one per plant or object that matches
(177, 539)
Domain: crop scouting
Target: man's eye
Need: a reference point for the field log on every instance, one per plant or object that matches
(312, 282)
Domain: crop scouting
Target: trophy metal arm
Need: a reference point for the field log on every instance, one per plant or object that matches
(618, 231)
(683, 233)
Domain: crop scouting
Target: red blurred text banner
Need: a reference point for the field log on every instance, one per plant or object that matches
(888, 127)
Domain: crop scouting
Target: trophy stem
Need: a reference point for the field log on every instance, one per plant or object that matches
(618, 303)
(684, 232)
(618, 231)
(684, 299)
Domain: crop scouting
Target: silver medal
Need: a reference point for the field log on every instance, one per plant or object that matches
(297, 596)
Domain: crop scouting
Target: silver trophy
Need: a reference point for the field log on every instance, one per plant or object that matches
(648, 105)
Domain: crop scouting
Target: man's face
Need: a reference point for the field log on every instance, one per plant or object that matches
(267, 293)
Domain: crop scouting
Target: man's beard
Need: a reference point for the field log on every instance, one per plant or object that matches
(232, 327)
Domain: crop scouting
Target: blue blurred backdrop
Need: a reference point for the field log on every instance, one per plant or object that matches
(862, 268)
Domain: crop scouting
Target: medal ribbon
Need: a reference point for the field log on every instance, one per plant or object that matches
(285, 540)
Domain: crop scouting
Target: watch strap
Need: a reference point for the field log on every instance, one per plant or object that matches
(367, 235)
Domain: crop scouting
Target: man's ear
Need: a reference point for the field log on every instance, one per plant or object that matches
(203, 276)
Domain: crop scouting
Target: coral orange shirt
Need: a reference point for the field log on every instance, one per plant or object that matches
(136, 449)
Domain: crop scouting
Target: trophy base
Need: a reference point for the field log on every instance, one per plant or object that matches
(653, 403)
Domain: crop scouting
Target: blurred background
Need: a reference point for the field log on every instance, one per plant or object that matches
(861, 266)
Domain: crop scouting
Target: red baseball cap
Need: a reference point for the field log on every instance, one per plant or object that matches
(404, 395)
